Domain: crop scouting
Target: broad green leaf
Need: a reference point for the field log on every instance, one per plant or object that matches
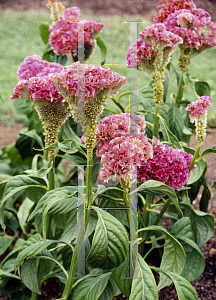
(102, 190)
(166, 84)
(167, 133)
(144, 286)
(49, 55)
(17, 184)
(202, 88)
(202, 224)
(108, 293)
(71, 146)
(8, 274)
(103, 50)
(5, 242)
(91, 287)
(23, 212)
(23, 106)
(44, 32)
(156, 187)
(13, 285)
(190, 84)
(173, 258)
(184, 289)
(110, 242)
(60, 193)
(19, 243)
(69, 233)
(11, 221)
(214, 185)
(33, 134)
(208, 151)
(91, 224)
(4, 178)
(5, 169)
(33, 246)
(29, 275)
(182, 228)
(176, 121)
(20, 296)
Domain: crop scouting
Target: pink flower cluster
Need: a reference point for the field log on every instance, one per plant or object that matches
(168, 7)
(155, 47)
(64, 34)
(35, 66)
(123, 154)
(99, 82)
(168, 165)
(199, 107)
(37, 88)
(117, 125)
(194, 26)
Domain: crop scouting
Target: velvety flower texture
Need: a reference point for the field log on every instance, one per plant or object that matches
(117, 125)
(199, 115)
(34, 66)
(154, 48)
(168, 165)
(168, 7)
(64, 34)
(195, 27)
(123, 154)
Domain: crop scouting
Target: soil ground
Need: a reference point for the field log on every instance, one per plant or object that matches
(206, 284)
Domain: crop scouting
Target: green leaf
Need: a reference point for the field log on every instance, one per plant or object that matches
(173, 258)
(33, 134)
(121, 277)
(23, 106)
(156, 187)
(5, 242)
(208, 151)
(166, 84)
(110, 242)
(91, 287)
(8, 274)
(184, 289)
(71, 146)
(182, 228)
(144, 286)
(23, 212)
(60, 193)
(69, 233)
(16, 184)
(19, 243)
(202, 224)
(176, 121)
(202, 88)
(167, 134)
(44, 32)
(49, 55)
(103, 50)
(29, 275)
(177, 73)
(108, 293)
(33, 246)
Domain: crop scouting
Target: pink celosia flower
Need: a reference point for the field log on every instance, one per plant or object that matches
(199, 115)
(116, 126)
(35, 66)
(37, 88)
(195, 27)
(123, 154)
(154, 48)
(168, 165)
(170, 6)
(64, 33)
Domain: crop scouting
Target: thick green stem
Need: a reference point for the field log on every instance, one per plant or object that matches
(180, 90)
(155, 131)
(195, 156)
(126, 202)
(51, 181)
(148, 203)
(89, 190)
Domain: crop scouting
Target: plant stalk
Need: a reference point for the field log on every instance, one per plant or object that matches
(155, 131)
(195, 156)
(126, 202)
(89, 190)
(180, 90)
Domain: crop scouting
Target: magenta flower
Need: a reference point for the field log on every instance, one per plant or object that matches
(34, 66)
(116, 126)
(123, 154)
(199, 115)
(168, 165)
(64, 34)
(168, 7)
(154, 48)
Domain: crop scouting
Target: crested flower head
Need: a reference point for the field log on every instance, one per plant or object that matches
(117, 125)
(199, 115)
(123, 155)
(65, 33)
(168, 165)
(35, 66)
(56, 8)
(168, 7)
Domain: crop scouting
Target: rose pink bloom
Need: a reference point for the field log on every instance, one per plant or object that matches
(168, 165)
(155, 46)
(98, 82)
(117, 125)
(34, 66)
(168, 7)
(64, 33)
(37, 88)
(199, 107)
(194, 26)
(123, 154)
